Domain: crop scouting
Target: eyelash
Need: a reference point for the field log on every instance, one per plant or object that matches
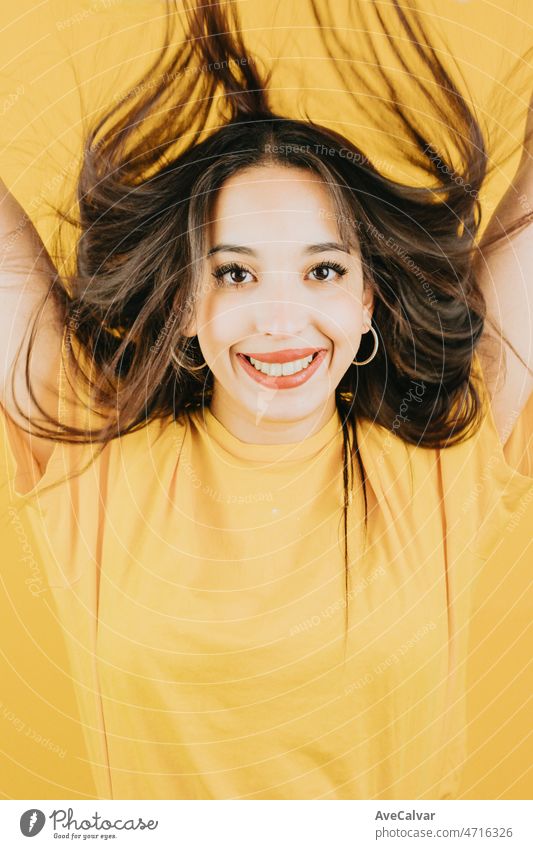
(220, 272)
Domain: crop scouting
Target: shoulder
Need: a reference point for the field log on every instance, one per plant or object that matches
(480, 486)
(149, 453)
(156, 438)
(505, 442)
(489, 479)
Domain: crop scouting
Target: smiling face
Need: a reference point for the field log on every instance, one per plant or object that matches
(281, 288)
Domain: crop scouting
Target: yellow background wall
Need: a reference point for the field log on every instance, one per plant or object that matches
(48, 48)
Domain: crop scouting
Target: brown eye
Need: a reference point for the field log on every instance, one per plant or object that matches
(326, 267)
(324, 271)
(238, 272)
(231, 268)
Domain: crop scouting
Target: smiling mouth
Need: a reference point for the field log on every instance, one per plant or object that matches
(281, 369)
(283, 375)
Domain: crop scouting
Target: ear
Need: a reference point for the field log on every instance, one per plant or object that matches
(368, 307)
(190, 329)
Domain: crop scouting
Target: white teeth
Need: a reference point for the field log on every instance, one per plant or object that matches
(279, 369)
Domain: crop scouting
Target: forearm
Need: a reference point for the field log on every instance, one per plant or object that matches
(504, 270)
(26, 273)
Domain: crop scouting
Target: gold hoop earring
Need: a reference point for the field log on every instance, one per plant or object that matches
(183, 365)
(374, 352)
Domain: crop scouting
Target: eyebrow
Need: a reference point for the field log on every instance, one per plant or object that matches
(309, 249)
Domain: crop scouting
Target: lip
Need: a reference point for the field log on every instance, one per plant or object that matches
(284, 356)
(288, 381)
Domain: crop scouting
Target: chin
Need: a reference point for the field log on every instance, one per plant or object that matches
(281, 408)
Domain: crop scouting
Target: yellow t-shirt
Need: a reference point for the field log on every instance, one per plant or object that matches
(200, 581)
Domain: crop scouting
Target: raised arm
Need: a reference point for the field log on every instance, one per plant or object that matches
(26, 272)
(505, 272)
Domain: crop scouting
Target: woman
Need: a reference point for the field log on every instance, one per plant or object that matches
(281, 356)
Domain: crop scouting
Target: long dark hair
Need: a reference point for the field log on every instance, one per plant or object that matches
(150, 172)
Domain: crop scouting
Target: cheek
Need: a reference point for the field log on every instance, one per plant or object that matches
(218, 327)
(343, 321)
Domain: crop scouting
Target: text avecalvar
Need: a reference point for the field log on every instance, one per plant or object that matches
(405, 815)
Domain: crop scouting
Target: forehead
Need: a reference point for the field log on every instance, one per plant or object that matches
(274, 203)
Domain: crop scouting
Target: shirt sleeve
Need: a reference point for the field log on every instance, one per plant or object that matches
(518, 448)
(20, 477)
(502, 481)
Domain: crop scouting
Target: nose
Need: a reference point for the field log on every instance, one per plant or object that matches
(280, 311)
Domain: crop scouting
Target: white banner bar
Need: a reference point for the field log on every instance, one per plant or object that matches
(276, 824)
